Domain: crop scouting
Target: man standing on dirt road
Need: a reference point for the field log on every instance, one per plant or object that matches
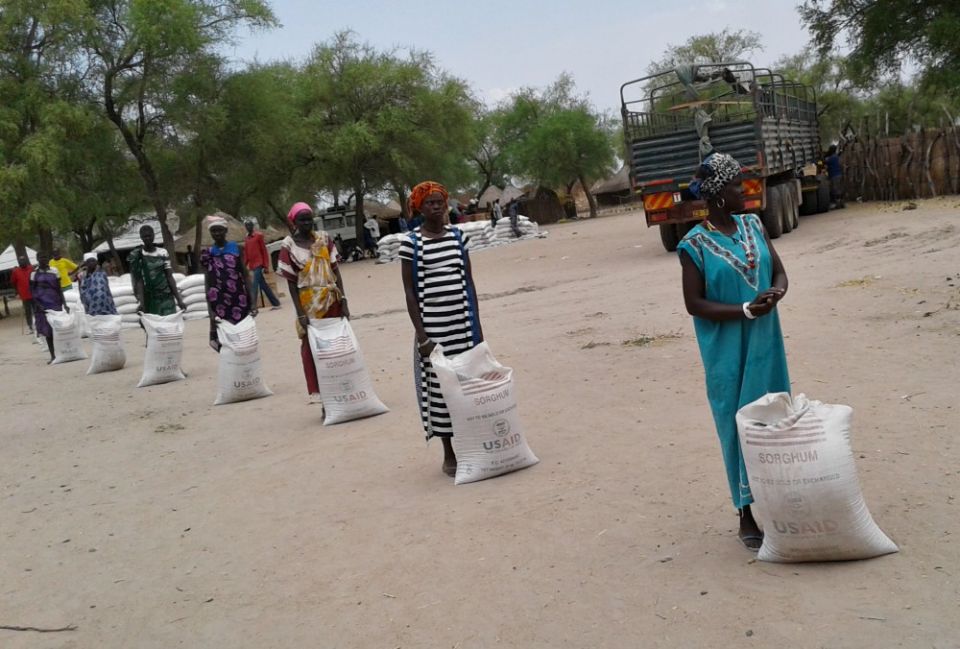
(20, 279)
(258, 262)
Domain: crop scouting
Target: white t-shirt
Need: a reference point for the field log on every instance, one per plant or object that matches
(374, 227)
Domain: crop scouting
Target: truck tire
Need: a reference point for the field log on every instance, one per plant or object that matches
(786, 208)
(773, 216)
(795, 197)
(823, 195)
(809, 204)
(670, 236)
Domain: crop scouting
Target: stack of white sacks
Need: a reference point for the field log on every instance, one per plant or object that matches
(480, 235)
(72, 299)
(503, 233)
(388, 248)
(193, 292)
(126, 302)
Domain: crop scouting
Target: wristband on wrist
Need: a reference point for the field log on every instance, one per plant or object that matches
(747, 313)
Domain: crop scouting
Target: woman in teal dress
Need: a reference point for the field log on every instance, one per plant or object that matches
(732, 282)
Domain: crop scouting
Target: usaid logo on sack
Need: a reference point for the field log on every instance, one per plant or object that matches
(349, 394)
(501, 427)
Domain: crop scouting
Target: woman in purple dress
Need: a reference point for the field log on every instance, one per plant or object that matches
(228, 294)
(47, 295)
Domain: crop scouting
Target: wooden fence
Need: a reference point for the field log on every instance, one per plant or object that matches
(916, 165)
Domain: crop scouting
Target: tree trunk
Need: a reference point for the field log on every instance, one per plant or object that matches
(46, 239)
(198, 240)
(358, 197)
(134, 142)
(20, 247)
(590, 198)
(113, 251)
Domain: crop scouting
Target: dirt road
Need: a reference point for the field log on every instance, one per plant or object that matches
(148, 518)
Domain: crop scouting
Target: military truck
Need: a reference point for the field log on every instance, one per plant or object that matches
(673, 119)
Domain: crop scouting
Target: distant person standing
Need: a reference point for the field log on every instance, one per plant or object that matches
(65, 267)
(226, 281)
(95, 288)
(513, 209)
(835, 173)
(191, 261)
(371, 234)
(257, 259)
(496, 213)
(47, 291)
(152, 276)
(20, 279)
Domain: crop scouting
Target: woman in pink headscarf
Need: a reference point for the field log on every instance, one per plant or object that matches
(309, 262)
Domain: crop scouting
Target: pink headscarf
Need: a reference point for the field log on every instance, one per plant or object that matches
(296, 209)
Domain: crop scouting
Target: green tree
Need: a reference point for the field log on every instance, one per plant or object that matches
(715, 47)
(556, 138)
(39, 85)
(137, 50)
(489, 159)
(883, 36)
(382, 119)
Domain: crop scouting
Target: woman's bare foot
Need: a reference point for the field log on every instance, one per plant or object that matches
(449, 458)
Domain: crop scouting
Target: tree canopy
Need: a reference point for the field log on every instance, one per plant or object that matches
(884, 36)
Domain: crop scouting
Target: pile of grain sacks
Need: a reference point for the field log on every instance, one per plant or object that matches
(480, 234)
(122, 290)
(194, 294)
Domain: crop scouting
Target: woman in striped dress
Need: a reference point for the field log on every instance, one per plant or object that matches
(441, 302)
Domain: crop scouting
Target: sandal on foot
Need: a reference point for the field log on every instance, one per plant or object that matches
(751, 541)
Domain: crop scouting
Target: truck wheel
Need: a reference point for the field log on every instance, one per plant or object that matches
(809, 204)
(670, 236)
(773, 216)
(823, 195)
(786, 208)
(796, 203)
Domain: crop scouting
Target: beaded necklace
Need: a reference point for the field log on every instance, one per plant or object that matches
(745, 242)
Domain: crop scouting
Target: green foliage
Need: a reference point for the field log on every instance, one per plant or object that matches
(883, 36)
(556, 138)
(715, 47)
(381, 119)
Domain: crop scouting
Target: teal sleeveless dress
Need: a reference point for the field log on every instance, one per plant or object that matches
(742, 359)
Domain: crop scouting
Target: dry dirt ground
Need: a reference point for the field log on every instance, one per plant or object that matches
(149, 518)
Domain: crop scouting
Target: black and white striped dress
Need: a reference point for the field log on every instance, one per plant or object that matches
(443, 295)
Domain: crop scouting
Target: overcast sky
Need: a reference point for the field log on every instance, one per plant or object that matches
(499, 45)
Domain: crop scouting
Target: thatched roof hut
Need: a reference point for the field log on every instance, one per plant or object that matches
(489, 195)
(235, 232)
(614, 190)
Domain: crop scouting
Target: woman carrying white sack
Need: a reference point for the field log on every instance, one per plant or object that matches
(226, 281)
(441, 303)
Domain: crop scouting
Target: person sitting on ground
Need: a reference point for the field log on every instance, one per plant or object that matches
(95, 291)
(441, 303)
(47, 291)
(152, 276)
(65, 267)
(733, 280)
(258, 262)
(309, 261)
(225, 278)
(20, 280)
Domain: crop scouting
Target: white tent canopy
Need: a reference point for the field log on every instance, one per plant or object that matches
(8, 260)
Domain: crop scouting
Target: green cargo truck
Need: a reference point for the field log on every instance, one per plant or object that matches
(673, 119)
